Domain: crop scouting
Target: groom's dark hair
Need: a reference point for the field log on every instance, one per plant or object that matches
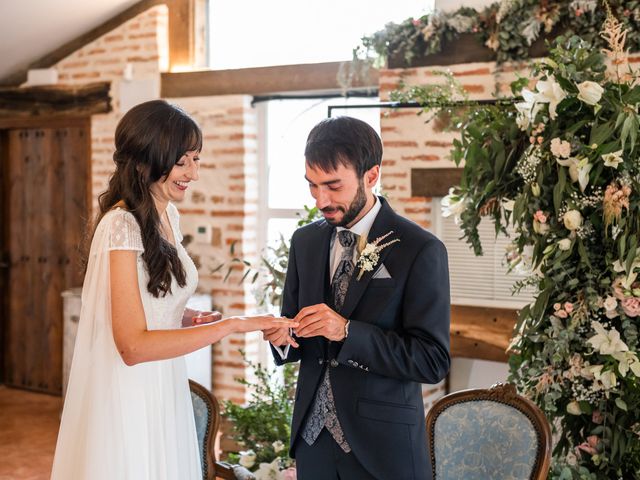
(343, 140)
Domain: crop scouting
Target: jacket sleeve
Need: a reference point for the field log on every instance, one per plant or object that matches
(290, 306)
(419, 350)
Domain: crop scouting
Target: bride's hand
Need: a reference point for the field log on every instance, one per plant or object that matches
(261, 322)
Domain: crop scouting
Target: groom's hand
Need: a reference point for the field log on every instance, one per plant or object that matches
(279, 337)
(320, 321)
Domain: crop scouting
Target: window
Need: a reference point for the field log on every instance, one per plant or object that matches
(282, 32)
(284, 126)
(484, 280)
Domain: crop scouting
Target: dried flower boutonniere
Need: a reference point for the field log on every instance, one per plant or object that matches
(370, 254)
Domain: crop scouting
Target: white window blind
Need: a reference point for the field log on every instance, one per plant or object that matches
(482, 280)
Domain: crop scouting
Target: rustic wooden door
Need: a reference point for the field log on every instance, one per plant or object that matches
(47, 175)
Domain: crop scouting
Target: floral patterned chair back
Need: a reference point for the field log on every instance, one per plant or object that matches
(488, 434)
(207, 416)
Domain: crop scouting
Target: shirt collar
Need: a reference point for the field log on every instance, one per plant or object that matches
(365, 223)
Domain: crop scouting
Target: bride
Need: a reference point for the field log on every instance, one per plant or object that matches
(128, 413)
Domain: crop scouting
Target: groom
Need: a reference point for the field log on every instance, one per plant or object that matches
(373, 325)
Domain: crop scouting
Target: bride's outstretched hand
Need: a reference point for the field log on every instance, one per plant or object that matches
(261, 322)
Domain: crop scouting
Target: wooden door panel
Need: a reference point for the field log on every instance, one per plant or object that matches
(74, 144)
(48, 201)
(19, 308)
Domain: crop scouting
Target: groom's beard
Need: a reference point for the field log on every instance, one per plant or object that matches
(355, 207)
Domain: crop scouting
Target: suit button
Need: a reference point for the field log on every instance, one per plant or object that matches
(334, 362)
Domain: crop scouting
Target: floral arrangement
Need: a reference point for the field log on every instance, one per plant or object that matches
(508, 27)
(262, 426)
(370, 253)
(561, 166)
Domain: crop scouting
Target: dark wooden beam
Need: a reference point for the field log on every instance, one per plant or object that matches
(433, 182)
(181, 36)
(257, 81)
(55, 100)
(481, 333)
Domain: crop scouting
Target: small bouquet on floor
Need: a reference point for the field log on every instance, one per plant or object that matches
(262, 427)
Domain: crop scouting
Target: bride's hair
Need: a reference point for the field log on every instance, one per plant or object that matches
(150, 139)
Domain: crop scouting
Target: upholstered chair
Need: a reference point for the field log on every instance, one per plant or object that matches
(207, 415)
(488, 434)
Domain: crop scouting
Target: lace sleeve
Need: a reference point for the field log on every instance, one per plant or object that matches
(174, 217)
(124, 232)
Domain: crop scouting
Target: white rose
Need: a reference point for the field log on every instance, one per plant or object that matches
(560, 148)
(590, 92)
(247, 459)
(269, 471)
(278, 446)
(574, 408)
(572, 219)
(610, 303)
(564, 244)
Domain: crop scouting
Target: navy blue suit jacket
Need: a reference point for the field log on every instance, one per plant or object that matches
(398, 339)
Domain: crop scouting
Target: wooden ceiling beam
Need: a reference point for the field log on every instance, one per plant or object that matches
(258, 81)
(55, 100)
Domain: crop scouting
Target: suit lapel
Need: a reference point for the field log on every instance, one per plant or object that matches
(382, 225)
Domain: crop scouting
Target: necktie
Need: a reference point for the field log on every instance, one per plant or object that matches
(342, 275)
(323, 413)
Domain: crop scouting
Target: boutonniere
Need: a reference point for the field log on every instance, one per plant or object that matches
(370, 253)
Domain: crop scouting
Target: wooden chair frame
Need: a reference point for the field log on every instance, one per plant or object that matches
(211, 468)
(507, 395)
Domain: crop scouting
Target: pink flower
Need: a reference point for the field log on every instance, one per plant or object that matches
(568, 307)
(562, 314)
(597, 417)
(591, 445)
(289, 474)
(540, 216)
(416, 22)
(631, 306)
(557, 306)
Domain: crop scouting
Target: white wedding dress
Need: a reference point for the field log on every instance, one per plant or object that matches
(121, 422)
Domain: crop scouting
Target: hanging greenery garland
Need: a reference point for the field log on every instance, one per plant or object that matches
(509, 28)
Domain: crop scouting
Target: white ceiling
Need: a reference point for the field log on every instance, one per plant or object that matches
(29, 29)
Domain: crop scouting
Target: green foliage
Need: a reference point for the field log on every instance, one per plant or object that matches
(266, 419)
(508, 27)
(271, 272)
(559, 166)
